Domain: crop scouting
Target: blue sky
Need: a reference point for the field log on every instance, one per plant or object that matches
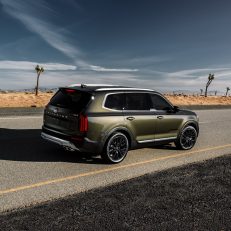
(161, 44)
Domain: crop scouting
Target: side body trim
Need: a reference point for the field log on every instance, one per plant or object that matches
(154, 140)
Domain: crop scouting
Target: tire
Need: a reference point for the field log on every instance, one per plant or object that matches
(116, 148)
(187, 138)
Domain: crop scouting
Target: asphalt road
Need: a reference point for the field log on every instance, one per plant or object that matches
(34, 171)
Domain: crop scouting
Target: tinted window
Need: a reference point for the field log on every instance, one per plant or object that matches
(137, 101)
(159, 103)
(70, 98)
(115, 101)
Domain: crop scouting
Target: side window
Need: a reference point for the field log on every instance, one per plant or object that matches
(159, 103)
(115, 101)
(137, 101)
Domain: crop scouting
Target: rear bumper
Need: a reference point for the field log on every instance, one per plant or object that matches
(86, 145)
(64, 143)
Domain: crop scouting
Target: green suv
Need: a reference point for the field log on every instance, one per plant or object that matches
(110, 120)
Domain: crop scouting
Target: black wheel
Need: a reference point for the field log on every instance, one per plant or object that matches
(116, 148)
(187, 138)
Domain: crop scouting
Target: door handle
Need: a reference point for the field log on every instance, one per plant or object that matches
(130, 118)
(160, 117)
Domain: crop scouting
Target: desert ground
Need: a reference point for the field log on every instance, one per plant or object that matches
(28, 99)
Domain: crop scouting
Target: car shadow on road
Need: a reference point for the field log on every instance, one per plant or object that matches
(165, 147)
(27, 145)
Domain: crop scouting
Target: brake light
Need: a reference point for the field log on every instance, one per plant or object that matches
(83, 123)
(69, 90)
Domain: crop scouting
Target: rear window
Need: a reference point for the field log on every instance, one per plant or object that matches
(71, 99)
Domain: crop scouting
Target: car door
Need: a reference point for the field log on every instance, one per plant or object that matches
(167, 121)
(139, 118)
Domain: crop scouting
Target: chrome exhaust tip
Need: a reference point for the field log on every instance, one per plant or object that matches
(66, 148)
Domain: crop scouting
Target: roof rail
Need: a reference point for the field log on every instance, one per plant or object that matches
(92, 85)
(109, 87)
(83, 86)
(123, 88)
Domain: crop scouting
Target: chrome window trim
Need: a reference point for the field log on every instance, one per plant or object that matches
(151, 109)
(105, 97)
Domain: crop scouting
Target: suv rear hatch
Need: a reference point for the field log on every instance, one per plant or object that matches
(63, 113)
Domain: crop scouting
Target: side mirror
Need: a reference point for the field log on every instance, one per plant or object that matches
(176, 108)
(169, 109)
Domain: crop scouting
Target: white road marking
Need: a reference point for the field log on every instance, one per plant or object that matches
(109, 169)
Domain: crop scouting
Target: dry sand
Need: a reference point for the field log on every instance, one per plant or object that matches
(22, 99)
(199, 100)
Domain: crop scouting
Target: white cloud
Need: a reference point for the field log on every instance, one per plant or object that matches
(149, 59)
(197, 72)
(23, 11)
(34, 15)
(27, 65)
(30, 14)
(103, 69)
(21, 79)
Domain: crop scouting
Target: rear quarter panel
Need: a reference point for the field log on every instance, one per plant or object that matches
(102, 120)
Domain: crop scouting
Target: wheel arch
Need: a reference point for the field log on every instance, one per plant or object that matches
(192, 123)
(122, 130)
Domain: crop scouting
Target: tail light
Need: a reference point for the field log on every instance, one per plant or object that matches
(83, 123)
